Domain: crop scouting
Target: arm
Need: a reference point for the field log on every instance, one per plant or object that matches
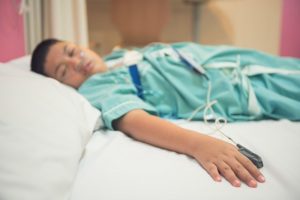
(215, 156)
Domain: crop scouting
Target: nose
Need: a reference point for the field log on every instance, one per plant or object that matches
(76, 60)
(73, 62)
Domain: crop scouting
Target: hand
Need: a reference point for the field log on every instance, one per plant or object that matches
(216, 156)
(221, 158)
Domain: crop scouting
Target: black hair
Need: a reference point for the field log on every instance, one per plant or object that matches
(39, 55)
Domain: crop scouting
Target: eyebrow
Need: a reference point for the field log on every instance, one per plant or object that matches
(59, 65)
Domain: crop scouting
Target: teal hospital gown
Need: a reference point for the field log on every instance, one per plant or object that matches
(239, 84)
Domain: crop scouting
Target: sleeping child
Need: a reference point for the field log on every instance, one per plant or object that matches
(138, 90)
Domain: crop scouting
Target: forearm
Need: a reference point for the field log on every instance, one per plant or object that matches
(216, 156)
(158, 132)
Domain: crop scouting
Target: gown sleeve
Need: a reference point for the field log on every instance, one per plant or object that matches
(114, 94)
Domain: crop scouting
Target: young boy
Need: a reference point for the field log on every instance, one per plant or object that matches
(136, 89)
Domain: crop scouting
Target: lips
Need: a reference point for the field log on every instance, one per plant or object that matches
(85, 66)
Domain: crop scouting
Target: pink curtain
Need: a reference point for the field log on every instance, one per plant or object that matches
(290, 31)
(12, 43)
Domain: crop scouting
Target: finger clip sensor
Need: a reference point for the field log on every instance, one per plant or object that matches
(255, 159)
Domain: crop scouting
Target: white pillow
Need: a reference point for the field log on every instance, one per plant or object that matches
(22, 62)
(44, 127)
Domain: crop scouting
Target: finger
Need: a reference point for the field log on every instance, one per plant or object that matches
(229, 174)
(252, 169)
(242, 173)
(212, 170)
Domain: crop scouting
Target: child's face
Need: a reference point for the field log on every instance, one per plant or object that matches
(71, 64)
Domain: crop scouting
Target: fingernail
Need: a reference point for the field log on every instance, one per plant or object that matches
(252, 183)
(236, 183)
(218, 178)
(261, 178)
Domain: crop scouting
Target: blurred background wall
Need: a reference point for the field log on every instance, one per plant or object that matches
(267, 25)
(255, 24)
(245, 23)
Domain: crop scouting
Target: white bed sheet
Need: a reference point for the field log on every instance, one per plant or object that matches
(117, 167)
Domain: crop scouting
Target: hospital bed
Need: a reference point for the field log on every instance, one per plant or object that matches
(52, 146)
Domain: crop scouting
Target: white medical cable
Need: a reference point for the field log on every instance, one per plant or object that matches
(81, 55)
(219, 122)
(205, 106)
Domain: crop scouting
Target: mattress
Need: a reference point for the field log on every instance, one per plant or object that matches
(40, 160)
(115, 166)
